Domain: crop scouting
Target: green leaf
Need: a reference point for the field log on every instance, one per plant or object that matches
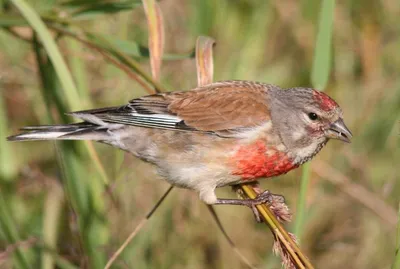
(70, 91)
(12, 20)
(131, 63)
(322, 57)
(136, 50)
(396, 263)
(8, 167)
(90, 10)
(10, 231)
(81, 3)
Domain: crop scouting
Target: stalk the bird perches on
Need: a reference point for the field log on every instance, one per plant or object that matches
(224, 133)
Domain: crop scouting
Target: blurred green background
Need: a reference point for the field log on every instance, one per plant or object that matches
(60, 208)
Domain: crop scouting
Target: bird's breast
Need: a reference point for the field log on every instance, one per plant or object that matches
(258, 159)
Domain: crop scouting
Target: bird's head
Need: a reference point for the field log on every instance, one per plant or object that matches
(307, 119)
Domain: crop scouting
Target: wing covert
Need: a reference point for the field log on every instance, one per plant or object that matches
(218, 107)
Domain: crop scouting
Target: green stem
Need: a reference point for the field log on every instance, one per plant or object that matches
(301, 203)
(8, 228)
(396, 263)
(70, 91)
(319, 78)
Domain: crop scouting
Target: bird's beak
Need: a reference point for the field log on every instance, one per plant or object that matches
(338, 130)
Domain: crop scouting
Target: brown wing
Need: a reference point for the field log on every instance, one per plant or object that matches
(220, 107)
(215, 107)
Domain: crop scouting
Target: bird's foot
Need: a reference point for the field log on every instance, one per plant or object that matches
(265, 197)
(276, 202)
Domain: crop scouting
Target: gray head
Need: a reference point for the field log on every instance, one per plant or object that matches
(306, 119)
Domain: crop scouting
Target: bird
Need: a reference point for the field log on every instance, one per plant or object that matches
(220, 134)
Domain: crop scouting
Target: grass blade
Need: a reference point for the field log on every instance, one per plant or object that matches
(322, 57)
(60, 261)
(131, 63)
(85, 197)
(204, 60)
(301, 207)
(241, 256)
(70, 90)
(396, 263)
(137, 228)
(8, 167)
(9, 230)
(89, 10)
(78, 68)
(319, 78)
(51, 218)
(156, 35)
(12, 20)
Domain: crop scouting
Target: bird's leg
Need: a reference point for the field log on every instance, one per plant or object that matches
(261, 198)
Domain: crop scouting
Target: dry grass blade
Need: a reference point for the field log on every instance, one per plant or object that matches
(285, 243)
(230, 242)
(106, 55)
(133, 64)
(124, 68)
(156, 36)
(96, 48)
(358, 193)
(6, 254)
(137, 229)
(204, 60)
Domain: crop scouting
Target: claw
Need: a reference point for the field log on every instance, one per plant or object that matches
(256, 214)
(264, 197)
(267, 198)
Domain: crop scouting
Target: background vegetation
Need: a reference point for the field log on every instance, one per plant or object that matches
(60, 205)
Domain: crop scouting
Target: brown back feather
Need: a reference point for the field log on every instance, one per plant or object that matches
(219, 106)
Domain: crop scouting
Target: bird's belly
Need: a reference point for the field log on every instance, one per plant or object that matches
(198, 175)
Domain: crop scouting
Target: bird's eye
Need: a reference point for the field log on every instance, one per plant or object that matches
(313, 116)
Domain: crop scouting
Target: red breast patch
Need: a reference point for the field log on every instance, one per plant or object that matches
(253, 161)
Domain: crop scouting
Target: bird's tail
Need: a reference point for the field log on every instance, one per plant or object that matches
(75, 131)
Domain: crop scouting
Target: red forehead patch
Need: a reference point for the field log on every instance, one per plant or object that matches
(325, 102)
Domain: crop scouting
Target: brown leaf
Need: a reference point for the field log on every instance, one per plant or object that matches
(204, 60)
(156, 35)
